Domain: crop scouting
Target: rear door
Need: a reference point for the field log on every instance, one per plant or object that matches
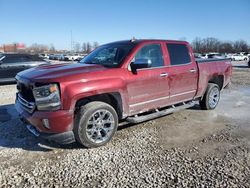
(183, 72)
(148, 89)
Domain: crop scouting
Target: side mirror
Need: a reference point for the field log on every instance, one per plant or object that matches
(140, 64)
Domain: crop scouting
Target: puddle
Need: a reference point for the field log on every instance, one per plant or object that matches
(235, 105)
(245, 90)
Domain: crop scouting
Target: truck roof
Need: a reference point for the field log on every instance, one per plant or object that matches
(137, 41)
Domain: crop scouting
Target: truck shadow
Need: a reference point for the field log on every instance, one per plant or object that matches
(13, 133)
(195, 107)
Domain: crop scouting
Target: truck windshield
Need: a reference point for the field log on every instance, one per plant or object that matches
(110, 55)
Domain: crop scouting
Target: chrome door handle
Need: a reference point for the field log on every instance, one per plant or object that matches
(164, 74)
(192, 70)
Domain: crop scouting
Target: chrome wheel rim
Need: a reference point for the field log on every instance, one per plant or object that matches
(100, 126)
(214, 97)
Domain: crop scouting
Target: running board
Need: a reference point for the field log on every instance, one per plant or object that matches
(159, 113)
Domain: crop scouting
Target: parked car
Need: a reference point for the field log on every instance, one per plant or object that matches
(197, 55)
(44, 56)
(244, 53)
(135, 80)
(63, 57)
(74, 57)
(51, 56)
(239, 57)
(57, 56)
(11, 64)
(214, 55)
(217, 55)
(229, 55)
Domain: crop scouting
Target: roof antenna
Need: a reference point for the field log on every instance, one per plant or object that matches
(133, 39)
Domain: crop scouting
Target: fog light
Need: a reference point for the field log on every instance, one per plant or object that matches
(46, 123)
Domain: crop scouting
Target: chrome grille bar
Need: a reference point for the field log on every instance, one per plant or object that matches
(28, 106)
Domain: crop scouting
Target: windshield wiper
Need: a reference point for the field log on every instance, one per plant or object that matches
(88, 62)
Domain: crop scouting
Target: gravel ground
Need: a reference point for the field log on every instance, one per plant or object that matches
(7, 94)
(191, 148)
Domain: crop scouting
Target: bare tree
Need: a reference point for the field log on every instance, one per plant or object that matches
(37, 48)
(197, 45)
(77, 47)
(52, 48)
(240, 46)
(226, 47)
(95, 45)
(89, 48)
(84, 47)
(214, 45)
(211, 45)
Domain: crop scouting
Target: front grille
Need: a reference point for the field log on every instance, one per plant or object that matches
(28, 106)
(25, 96)
(26, 92)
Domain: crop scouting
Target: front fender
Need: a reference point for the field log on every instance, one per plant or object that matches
(83, 89)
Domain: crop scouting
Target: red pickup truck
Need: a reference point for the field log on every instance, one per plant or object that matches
(133, 80)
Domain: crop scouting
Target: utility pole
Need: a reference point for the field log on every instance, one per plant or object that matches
(71, 41)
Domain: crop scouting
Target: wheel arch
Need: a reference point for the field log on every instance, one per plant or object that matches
(218, 79)
(114, 99)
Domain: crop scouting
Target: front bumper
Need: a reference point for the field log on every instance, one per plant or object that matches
(60, 124)
(61, 138)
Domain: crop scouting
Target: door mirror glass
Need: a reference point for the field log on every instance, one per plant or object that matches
(140, 64)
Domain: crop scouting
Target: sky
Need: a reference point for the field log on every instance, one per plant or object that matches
(52, 21)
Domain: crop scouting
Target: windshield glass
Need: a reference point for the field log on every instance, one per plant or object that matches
(110, 55)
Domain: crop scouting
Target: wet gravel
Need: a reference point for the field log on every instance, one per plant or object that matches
(137, 156)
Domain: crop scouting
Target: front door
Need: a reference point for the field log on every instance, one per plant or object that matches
(148, 88)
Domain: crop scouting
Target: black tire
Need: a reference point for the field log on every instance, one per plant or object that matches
(249, 63)
(204, 103)
(82, 118)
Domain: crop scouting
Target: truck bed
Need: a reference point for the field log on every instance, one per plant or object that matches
(210, 68)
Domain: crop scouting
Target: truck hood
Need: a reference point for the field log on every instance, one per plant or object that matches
(52, 72)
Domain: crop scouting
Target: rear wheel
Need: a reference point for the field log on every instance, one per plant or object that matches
(249, 63)
(211, 97)
(95, 124)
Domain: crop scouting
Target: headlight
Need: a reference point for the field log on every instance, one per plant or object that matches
(47, 97)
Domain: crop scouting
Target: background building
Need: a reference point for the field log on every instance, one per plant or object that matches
(15, 47)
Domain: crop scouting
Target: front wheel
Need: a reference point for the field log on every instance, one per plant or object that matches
(95, 124)
(211, 97)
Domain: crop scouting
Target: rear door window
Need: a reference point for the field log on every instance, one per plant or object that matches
(179, 54)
